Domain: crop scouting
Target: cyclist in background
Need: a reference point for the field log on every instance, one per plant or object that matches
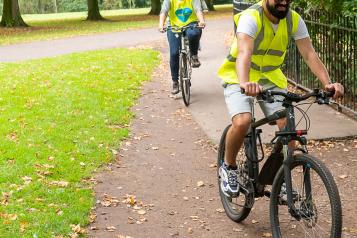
(182, 13)
(253, 63)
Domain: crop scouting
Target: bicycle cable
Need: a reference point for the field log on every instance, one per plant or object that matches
(304, 115)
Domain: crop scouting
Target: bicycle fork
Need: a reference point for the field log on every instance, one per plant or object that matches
(288, 157)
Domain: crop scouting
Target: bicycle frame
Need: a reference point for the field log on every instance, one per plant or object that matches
(283, 137)
(185, 49)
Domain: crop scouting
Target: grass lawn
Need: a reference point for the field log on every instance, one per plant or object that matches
(60, 25)
(61, 118)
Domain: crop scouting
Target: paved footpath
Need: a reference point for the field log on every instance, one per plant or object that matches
(208, 107)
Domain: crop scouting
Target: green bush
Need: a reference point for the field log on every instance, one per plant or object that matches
(72, 5)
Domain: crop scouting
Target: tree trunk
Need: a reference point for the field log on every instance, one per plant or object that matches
(93, 11)
(55, 6)
(155, 7)
(11, 16)
(210, 5)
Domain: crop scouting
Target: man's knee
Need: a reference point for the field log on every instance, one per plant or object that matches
(241, 121)
(174, 54)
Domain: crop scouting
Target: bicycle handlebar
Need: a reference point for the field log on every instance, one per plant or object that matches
(322, 97)
(181, 29)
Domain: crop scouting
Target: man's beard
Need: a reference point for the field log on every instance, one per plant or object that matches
(275, 12)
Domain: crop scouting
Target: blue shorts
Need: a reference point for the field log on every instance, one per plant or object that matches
(238, 103)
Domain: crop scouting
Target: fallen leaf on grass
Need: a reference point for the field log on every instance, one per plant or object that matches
(59, 183)
(27, 179)
(77, 229)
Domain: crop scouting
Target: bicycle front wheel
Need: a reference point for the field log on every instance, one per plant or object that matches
(185, 78)
(237, 209)
(315, 196)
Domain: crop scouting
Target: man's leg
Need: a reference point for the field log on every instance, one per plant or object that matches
(174, 44)
(239, 107)
(235, 137)
(194, 36)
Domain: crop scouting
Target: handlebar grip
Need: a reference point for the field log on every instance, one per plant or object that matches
(242, 90)
(330, 93)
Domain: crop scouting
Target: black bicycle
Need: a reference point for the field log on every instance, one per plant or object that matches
(304, 199)
(185, 68)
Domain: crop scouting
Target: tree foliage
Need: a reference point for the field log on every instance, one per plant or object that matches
(345, 7)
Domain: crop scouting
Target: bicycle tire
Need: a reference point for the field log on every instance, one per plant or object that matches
(184, 78)
(307, 205)
(231, 212)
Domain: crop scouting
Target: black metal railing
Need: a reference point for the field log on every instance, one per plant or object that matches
(335, 41)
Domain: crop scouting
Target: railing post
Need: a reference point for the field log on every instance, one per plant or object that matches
(297, 66)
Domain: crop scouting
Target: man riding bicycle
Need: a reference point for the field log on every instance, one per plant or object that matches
(182, 13)
(253, 63)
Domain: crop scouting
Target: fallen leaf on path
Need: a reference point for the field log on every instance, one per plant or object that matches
(190, 230)
(155, 148)
(214, 165)
(255, 221)
(200, 184)
(220, 210)
(110, 228)
(267, 234)
(141, 212)
(343, 176)
(237, 230)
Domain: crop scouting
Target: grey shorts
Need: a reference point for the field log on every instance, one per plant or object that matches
(238, 103)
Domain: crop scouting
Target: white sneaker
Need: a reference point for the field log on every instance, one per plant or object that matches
(229, 182)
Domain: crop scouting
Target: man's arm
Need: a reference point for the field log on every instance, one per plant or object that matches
(316, 66)
(197, 6)
(245, 50)
(201, 19)
(162, 19)
(166, 5)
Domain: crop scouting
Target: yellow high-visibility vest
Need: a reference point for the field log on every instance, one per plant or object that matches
(181, 13)
(269, 48)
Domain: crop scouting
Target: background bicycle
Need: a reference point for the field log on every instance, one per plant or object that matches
(185, 64)
(304, 199)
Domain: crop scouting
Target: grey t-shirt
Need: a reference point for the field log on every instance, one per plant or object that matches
(248, 25)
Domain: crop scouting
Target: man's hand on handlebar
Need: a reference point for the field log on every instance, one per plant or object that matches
(162, 29)
(201, 25)
(337, 87)
(251, 89)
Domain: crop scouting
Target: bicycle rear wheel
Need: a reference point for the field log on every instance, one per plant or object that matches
(316, 197)
(237, 208)
(185, 78)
